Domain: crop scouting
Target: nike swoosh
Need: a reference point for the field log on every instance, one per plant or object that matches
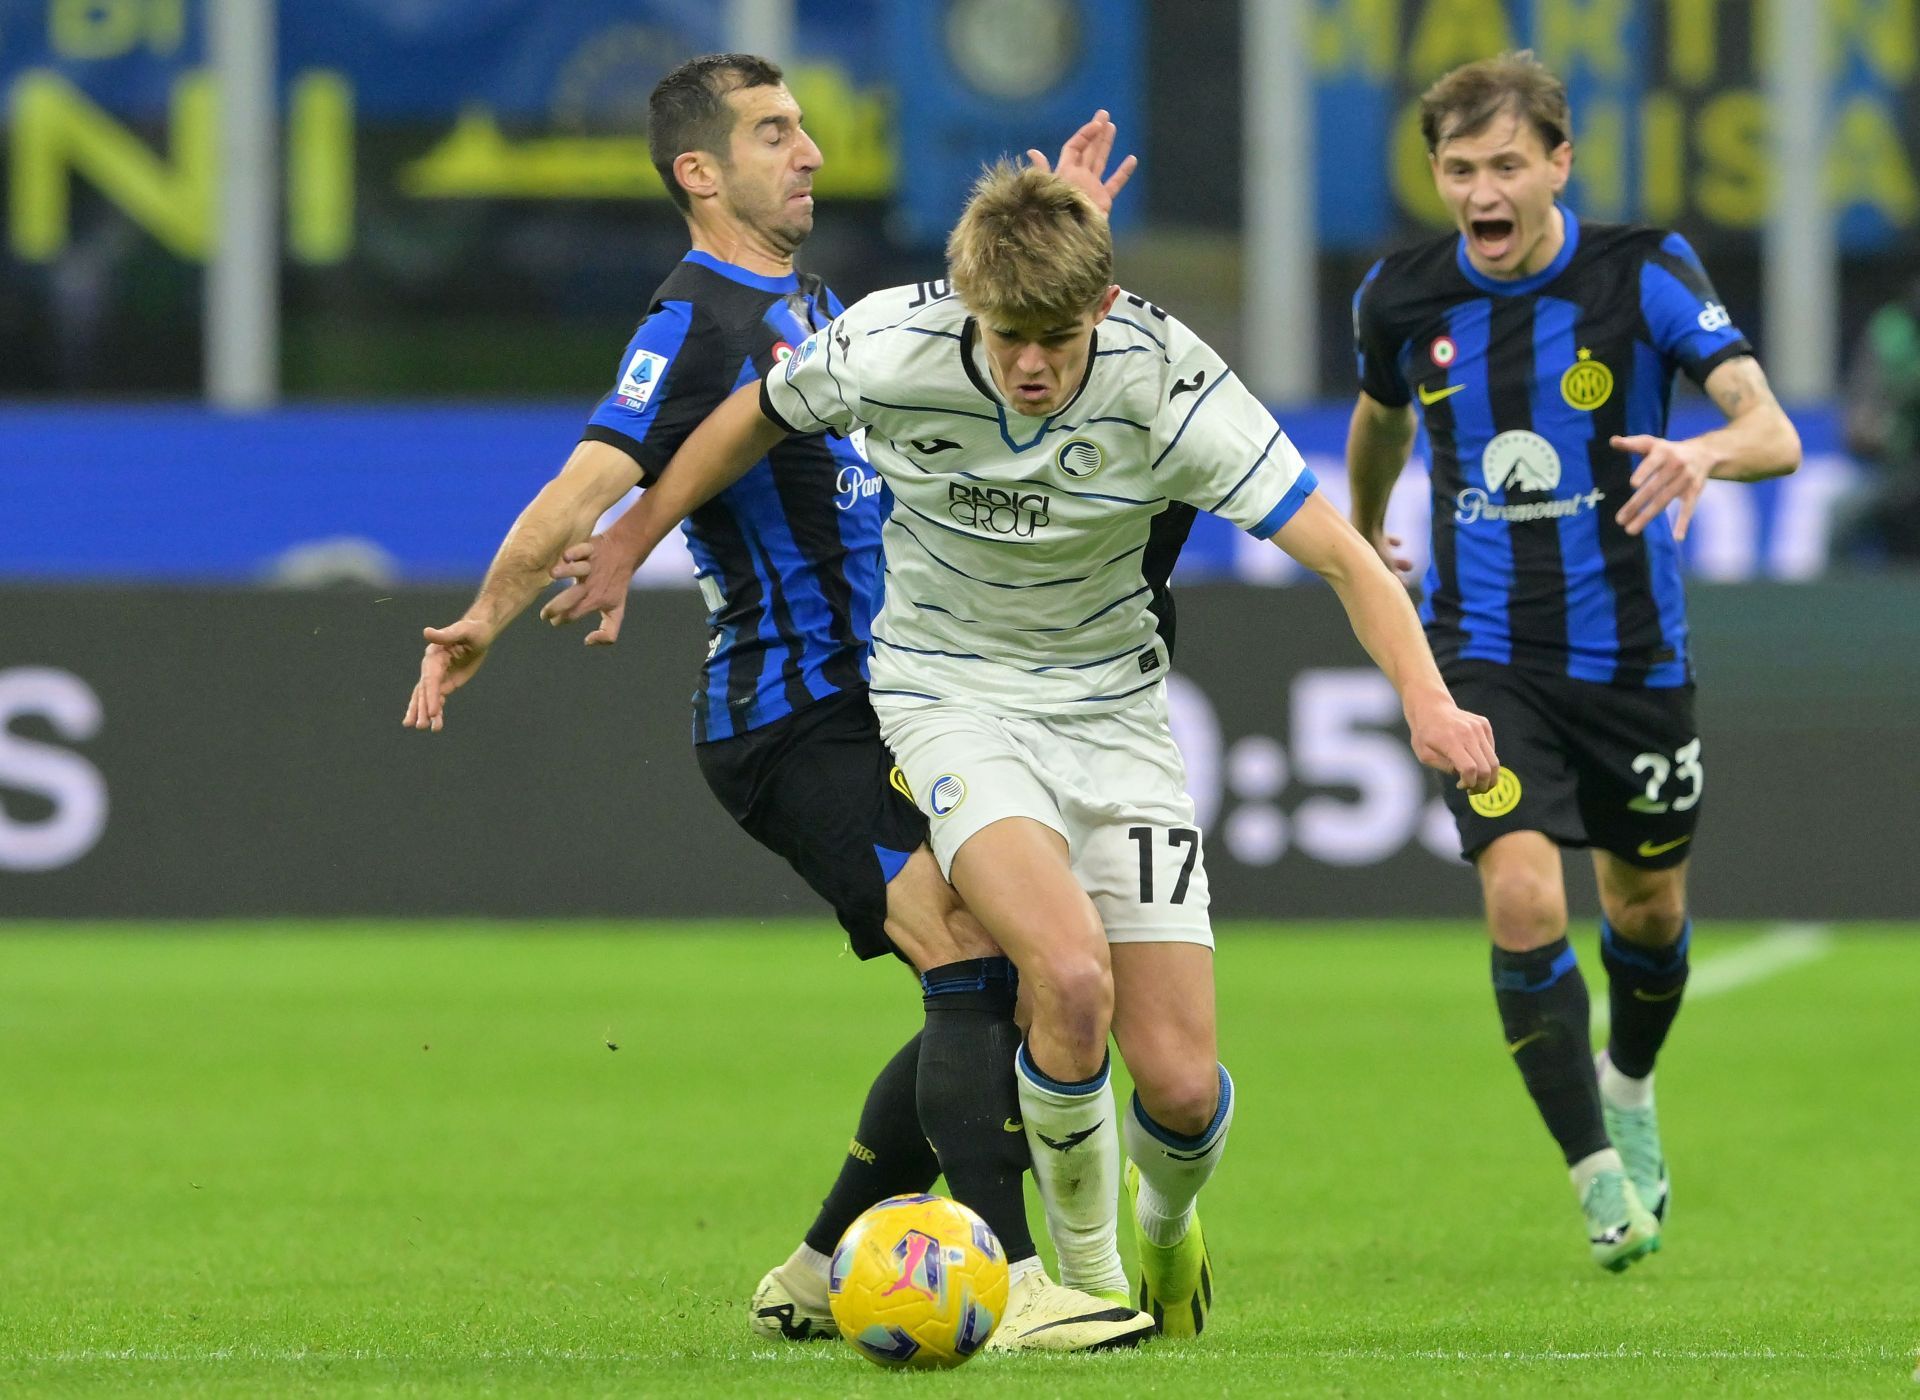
(1648, 849)
(1428, 399)
(1515, 1047)
(1013, 1125)
(1642, 994)
(1104, 1315)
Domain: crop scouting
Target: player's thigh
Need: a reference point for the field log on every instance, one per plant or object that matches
(1537, 788)
(817, 789)
(1000, 839)
(1642, 773)
(1164, 1021)
(926, 920)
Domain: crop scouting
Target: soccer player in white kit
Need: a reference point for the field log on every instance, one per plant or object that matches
(1048, 439)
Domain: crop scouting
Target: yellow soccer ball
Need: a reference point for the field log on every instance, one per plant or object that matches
(918, 1282)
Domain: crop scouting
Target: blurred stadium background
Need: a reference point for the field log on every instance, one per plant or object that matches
(301, 303)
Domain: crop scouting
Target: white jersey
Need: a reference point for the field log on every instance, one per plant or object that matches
(1027, 558)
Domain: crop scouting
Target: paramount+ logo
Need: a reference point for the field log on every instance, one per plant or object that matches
(997, 510)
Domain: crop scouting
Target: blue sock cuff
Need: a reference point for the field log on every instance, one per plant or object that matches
(973, 975)
(1521, 978)
(1024, 1063)
(1646, 959)
(1201, 1140)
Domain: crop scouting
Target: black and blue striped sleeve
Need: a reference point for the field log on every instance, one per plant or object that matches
(1685, 317)
(673, 374)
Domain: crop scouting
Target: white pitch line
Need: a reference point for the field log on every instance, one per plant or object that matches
(1782, 947)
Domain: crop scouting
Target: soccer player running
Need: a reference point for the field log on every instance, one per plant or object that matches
(789, 566)
(1048, 439)
(1542, 351)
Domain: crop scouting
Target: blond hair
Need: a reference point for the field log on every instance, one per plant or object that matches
(1029, 249)
(1466, 100)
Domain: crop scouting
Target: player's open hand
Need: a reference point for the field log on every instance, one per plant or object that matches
(1668, 472)
(1454, 741)
(453, 655)
(599, 584)
(1083, 162)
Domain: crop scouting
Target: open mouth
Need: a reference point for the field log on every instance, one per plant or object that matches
(1492, 238)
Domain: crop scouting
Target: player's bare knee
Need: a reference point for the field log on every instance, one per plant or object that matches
(1524, 911)
(1180, 1098)
(1653, 918)
(1073, 999)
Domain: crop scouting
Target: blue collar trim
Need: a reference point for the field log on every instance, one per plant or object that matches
(734, 273)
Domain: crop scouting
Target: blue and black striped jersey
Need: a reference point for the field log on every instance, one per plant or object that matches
(788, 557)
(1522, 384)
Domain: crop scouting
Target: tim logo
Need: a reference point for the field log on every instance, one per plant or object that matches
(946, 793)
(854, 486)
(998, 511)
(1521, 460)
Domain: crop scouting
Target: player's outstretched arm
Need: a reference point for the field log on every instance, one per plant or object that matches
(1445, 736)
(1083, 162)
(594, 477)
(1378, 441)
(1759, 441)
(715, 455)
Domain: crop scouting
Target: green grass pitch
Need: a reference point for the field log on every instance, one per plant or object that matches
(409, 1160)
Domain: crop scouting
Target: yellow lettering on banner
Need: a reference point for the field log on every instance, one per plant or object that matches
(1693, 41)
(1356, 36)
(320, 164)
(1663, 130)
(1452, 32)
(1601, 164)
(1867, 163)
(1880, 31)
(1413, 172)
(87, 30)
(1592, 32)
(1734, 181)
(58, 131)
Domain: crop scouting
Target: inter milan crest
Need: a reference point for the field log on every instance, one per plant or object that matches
(1587, 383)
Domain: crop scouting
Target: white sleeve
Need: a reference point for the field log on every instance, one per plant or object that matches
(1217, 447)
(817, 390)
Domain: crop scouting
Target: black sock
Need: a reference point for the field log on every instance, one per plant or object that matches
(1543, 1006)
(889, 1155)
(969, 1104)
(1643, 993)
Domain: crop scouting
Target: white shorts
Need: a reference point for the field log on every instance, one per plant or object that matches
(1112, 784)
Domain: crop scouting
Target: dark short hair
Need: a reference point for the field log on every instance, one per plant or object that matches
(1464, 101)
(688, 110)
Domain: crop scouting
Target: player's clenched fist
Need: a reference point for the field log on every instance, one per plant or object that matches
(1454, 741)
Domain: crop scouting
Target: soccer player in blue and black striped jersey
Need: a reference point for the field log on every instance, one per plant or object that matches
(788, 564)
(1542, 351)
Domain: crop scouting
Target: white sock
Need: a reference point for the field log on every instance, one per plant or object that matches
(810, 1259)
(1173, 1168)
(1076, 1166)
(1623, 1091)
(1588, 1167)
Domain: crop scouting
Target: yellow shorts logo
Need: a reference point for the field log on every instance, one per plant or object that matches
(1587, 383)
(1499, 799)
(898, 782)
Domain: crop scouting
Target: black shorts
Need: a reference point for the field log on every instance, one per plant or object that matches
(1617, 767)
(820, 790)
